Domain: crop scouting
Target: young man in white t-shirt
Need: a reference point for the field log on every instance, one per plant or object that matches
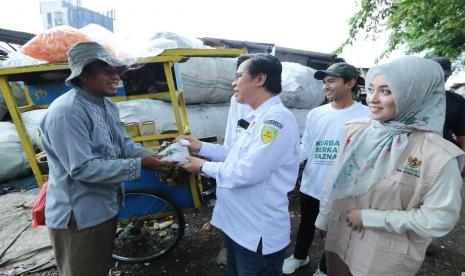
(319, 146)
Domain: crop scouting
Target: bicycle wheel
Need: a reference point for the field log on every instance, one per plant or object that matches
(149, 226)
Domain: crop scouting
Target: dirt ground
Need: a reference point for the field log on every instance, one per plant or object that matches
(196, 253)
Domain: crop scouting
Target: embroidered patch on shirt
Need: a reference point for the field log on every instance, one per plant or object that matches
(273, 123)
(268, 134)
(413, 166)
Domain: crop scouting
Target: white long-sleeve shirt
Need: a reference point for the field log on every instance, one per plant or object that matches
(258, 171)
(236, 112)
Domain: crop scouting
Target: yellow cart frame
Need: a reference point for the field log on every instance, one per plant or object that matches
(167, 58)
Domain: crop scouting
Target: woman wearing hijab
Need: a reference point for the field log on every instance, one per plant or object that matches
(397, 183)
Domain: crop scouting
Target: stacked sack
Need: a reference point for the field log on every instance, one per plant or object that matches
(208, 80)
(300, 89)
(15, 163)
(205, 80)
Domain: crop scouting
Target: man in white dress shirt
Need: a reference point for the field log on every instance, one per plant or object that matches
(255, 173)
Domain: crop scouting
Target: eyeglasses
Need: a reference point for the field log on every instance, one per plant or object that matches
(239, 74)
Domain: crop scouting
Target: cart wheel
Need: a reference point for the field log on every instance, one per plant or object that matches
(149, 226)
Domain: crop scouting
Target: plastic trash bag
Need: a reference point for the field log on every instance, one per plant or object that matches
(175, 153)
(102, 36)
(38, 208)
(18, 59)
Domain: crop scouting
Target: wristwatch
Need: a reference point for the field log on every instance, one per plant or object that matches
(201, 167)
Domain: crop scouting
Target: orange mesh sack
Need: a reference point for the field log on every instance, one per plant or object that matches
(38, 208)
(53, 44)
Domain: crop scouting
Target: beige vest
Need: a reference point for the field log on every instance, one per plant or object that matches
(379, 252)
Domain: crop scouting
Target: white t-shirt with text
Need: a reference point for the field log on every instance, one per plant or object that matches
(321, 141)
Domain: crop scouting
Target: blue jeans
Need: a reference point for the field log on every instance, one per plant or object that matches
(243, 262)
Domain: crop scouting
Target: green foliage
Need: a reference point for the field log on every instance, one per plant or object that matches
(433, 27)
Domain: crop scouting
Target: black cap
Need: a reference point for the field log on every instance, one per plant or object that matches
(445, 64)
(340, 69)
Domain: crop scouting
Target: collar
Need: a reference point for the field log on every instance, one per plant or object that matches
(91, 98)
(263, 107)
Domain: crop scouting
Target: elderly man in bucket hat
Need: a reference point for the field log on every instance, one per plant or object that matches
(89, 156)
